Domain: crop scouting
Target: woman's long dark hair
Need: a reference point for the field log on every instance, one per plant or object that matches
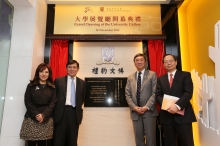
(36, 79)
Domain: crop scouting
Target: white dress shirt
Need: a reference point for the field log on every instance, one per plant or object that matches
(68, 89)
(169, 79)
(142, 74)
(171, 73)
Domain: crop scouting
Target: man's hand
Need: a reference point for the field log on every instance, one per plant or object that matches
(144, 109)
(173, 109)
(140, 110)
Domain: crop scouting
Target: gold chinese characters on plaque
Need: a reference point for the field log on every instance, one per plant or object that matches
(107, 19)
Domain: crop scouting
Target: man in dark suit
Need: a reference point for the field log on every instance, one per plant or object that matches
(141, 100)
(68, 112)
(177, 128)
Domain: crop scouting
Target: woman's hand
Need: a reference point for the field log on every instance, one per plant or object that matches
(40, 118)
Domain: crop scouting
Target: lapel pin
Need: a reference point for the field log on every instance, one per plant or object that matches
(37, 88)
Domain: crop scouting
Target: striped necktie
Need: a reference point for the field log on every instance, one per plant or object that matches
(138, 88)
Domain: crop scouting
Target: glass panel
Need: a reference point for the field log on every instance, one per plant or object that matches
(6, 15)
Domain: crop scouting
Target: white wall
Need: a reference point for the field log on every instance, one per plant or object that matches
(109, 126)
(26, 52)
(4, 57)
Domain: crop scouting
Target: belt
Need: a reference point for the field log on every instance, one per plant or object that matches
(69, 106)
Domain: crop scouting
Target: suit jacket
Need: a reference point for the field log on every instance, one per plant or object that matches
(61, 88)
(182, 87)
(147, 93)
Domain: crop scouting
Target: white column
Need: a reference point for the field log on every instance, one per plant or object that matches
(27, 51)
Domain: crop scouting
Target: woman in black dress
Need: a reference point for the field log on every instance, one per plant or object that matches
(40, 99)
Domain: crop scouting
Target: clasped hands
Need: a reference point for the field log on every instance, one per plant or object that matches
(140, 110)
(39, 118)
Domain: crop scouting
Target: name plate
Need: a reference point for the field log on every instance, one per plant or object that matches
(105, 92)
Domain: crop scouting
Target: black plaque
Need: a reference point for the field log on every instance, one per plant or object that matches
(105, 92)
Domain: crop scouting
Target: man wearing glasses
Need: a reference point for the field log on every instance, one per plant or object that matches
(177, 128)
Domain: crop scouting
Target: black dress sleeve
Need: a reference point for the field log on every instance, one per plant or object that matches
(49, 110)
(31, 109)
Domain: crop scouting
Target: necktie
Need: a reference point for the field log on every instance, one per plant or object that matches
(171, 79)
(72, 95)
(138, 88)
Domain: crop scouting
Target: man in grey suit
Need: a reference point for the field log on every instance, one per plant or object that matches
(140, 95)
(68, 112)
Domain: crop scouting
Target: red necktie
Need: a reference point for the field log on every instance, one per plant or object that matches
(171, 79)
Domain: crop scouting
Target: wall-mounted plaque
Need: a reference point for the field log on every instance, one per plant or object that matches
(105, 92)
(107, 19)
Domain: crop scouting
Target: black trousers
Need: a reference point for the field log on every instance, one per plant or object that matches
(39, 143)
(66, 131)
(159, 134)
(178, 134)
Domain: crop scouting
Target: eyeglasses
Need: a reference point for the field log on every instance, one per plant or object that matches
(168, 61)
(71, 67)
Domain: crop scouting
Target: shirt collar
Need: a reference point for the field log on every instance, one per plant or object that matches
(174, 72)
(69, 77)
(142, 72)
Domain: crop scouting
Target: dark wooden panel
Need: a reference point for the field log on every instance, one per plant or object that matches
(49, 30)
(106, 37)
